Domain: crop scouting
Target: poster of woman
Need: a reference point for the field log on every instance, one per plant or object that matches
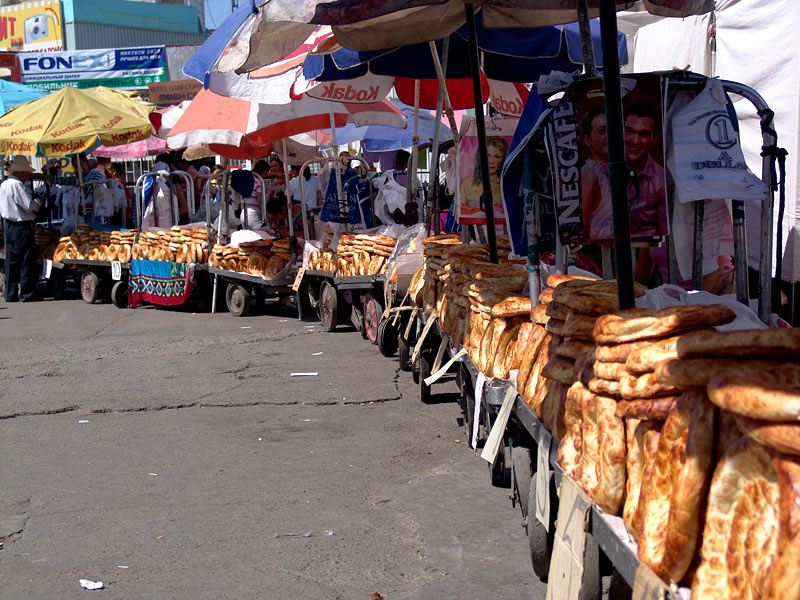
(579, 149)
(499, 132)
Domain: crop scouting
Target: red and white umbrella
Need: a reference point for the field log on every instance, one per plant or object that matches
(241, 129)
(164, 119)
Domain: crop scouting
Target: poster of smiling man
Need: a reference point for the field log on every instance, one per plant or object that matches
(579, 151)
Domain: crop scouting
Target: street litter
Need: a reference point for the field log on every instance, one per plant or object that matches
(153, 474)
(245, 327)
(83, 421)
(91, 585)
(308, 374)
(317, 353)
(308, 420)
(160, 537)
(307, 534)
(283, 320)
(122, 566)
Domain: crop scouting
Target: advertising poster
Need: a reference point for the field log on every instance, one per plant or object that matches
(31, 26)
(579, 151)
(499, 133)
(123, 69)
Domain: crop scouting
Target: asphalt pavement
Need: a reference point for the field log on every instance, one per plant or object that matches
(171, 455)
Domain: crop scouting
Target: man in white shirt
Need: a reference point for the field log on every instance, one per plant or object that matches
(18, 208)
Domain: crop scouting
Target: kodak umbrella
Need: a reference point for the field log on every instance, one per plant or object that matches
(242, 129)
(67, 122)
(127, 99)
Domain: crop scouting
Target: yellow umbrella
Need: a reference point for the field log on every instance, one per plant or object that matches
(127, 98)
(67, 122)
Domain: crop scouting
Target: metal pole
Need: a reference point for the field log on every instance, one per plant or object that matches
(344, 217)
(441, 75)
(486, 198)
(437, 130)
(618, 172)
(412, 188)
(531, 202)
(587, 46)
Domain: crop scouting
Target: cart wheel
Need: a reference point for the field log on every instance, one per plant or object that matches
(119, 294)
(424, 371)
(540, 543)
(238, 300)
(521, 474)
(372, 316)
(90, 287)
(501, 469)
(403, 350)
(328, 307)
(387, 338)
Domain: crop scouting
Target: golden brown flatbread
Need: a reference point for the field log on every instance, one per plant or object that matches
(639, 323)
(765, 343)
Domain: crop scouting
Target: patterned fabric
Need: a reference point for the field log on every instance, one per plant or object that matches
(159, 282)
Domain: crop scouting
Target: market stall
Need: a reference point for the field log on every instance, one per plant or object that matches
(168, 261)
(252, 264)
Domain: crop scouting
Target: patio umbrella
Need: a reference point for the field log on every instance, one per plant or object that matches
(379, 138)
(241, 129)
(367, 25)
(163, 119)
(141, 149)
(128, 99)
(68, 121)
(13, 94)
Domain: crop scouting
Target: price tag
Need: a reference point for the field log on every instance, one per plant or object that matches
(116, 270)
(298, 280)
(47, 268)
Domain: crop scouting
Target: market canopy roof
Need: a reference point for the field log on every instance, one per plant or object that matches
(13, 94)
(67, 122)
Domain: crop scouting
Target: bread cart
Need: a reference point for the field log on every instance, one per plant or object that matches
(247, 285)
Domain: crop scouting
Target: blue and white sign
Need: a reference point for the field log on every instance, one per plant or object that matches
(124, 68)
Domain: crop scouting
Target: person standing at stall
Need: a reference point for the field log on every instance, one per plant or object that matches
(18, 210)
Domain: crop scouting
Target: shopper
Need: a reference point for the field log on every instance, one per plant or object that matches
(18, 209)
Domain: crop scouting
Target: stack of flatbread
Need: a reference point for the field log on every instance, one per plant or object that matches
(178, 244)
(664, 440)
(262, 257)
(435, 262)
(363, 254)
(452, 301)
(751, 538)
(322, 260)
(95, 245)
(47, 241)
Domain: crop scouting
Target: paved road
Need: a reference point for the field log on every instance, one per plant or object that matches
(171, 455)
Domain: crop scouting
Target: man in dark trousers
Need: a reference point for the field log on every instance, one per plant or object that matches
(18, 208)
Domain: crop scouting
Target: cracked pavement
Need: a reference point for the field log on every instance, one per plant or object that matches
(171, 455)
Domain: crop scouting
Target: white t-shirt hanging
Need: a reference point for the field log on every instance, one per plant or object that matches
(708, 159)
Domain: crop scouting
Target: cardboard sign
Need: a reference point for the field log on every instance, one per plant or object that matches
(166, 93)
(299, 279)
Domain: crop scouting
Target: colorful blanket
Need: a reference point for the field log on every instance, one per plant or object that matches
(158, 282)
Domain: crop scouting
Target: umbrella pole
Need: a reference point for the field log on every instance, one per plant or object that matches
(486, 198)
(619, 173)
(532, 220)
(79, 195)
(412, 188)
(288, 197)
(344, 214)
(437, 130)
(440, 74)
(587, 46)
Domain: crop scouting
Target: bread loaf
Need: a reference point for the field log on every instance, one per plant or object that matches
(635, 431)
(605, 370)
(638, 323)
(769, 395)
(765, 343)
(783, 437)
(741, 525)
(644, 386)
(650, 409)
(683, 373)
(675, 494)
(610, 467)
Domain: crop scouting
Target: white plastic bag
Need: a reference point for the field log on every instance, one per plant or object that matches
(707, 160)
(391, 196)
